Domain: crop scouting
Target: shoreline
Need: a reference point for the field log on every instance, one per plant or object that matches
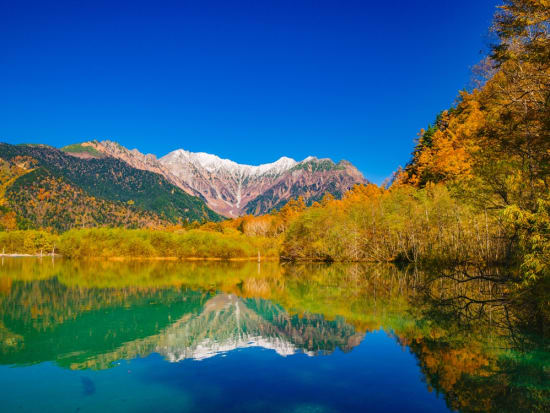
(137, 258)
(180, 259)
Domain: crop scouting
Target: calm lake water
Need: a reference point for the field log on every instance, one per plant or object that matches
(243, 337)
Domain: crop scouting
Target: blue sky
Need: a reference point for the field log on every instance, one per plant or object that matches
(246, 80)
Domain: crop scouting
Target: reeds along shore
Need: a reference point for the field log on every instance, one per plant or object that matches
(116, 243)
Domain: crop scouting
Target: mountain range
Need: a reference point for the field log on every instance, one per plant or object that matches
(233, 189)
(103, 183)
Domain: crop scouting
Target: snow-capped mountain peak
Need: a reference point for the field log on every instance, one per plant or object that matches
(213, 163)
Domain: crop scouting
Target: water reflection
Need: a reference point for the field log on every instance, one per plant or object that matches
(473, 342)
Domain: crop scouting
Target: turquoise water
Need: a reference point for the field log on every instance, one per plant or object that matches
(234, 338)
(241, 380)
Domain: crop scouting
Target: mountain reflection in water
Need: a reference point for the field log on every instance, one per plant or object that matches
(470, 343)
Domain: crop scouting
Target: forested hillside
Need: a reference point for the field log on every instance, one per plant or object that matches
(101, 191)
(41, 200)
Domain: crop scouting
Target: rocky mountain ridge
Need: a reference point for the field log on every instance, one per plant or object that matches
(232, 189)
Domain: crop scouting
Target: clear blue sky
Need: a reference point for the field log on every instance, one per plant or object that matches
(246, 80)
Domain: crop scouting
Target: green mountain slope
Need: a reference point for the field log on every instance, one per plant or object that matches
(82, 150)
(106, 179)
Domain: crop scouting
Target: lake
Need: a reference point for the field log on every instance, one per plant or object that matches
(246, 337)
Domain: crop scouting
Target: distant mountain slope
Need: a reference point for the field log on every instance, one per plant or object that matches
(118, 188)
(233, 189)
(310, 179)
